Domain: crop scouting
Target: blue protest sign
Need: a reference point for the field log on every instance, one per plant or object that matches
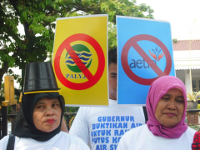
(144, 54)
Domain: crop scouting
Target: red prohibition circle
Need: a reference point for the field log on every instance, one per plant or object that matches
(92, 79)
(132, 42)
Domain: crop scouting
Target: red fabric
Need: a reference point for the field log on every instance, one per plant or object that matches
(196, 141)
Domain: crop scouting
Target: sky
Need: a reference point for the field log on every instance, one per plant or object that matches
(183, 15)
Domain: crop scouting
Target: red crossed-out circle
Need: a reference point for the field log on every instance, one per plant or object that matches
(132, 42)
(92, 79)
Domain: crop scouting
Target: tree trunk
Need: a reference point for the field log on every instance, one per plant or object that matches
(1, 76)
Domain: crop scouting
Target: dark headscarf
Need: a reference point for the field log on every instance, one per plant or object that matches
(25, 127)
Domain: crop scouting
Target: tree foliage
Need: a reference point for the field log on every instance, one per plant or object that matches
(38, 20)
(174, 40)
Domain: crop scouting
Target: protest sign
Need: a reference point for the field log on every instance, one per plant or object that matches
(80, 59)
(144, 54)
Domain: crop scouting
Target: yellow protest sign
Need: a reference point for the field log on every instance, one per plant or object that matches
(80, 59)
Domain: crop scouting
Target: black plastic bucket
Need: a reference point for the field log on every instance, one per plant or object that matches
(39, 77)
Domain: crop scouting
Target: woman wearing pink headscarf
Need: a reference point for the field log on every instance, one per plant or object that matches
(166, 105)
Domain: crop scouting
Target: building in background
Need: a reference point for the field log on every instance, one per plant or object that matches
(187, 63)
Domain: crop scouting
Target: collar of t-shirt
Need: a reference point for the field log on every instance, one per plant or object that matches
(112, 102)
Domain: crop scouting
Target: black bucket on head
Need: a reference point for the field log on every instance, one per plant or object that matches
(39, 77)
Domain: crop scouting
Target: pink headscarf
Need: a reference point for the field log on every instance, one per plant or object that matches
(157, 89)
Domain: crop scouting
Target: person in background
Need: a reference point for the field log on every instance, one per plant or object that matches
(18, 107)
(102, 127)
(64, 125)
(166, 105)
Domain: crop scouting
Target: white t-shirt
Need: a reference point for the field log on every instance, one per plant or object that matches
(102, 127)
(61, 141)
(143, 139)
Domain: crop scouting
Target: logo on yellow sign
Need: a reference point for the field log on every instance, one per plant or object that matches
(84, 55)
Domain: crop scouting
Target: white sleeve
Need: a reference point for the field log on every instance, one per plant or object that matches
(121, 145)
(4, 142)
(80, 127)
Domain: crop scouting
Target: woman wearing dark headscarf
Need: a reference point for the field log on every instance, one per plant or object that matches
(38, 125)
(166, 105)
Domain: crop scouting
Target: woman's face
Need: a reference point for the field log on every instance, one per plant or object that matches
(169, 110)
(47, 114)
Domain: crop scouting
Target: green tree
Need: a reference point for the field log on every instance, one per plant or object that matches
(175, 40)
(38, 20)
